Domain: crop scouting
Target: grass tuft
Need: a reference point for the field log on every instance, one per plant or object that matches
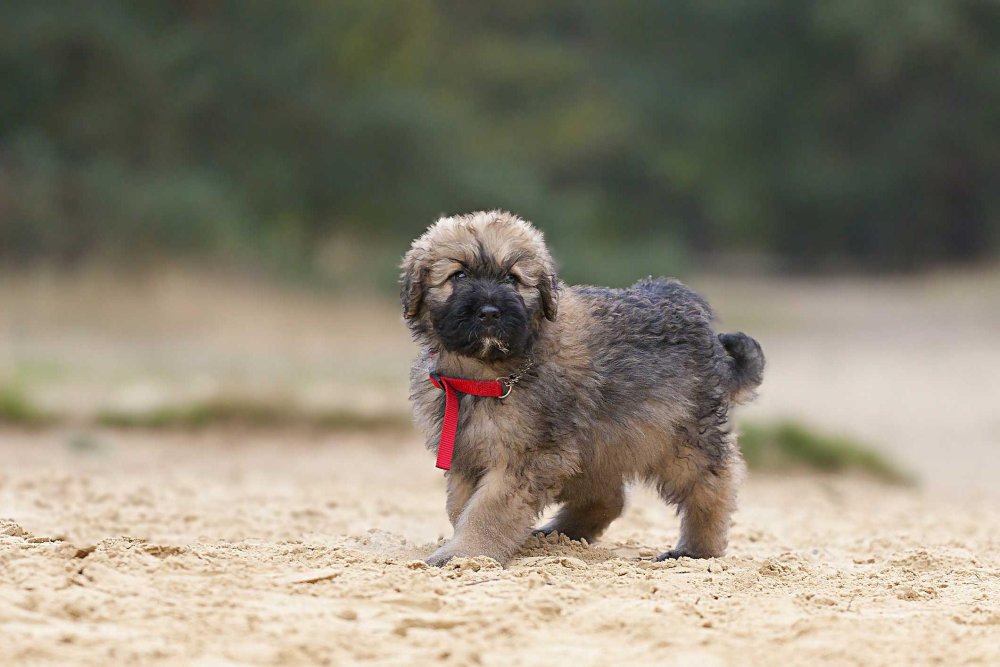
(254, 413)
(17, 409)
(776, 446)
(785, 445)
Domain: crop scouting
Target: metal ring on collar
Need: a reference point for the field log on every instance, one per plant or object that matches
(510, 388)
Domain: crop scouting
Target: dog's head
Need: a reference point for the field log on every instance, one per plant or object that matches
(479, 285)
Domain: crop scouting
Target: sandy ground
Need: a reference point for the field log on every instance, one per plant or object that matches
(288, 548)
(228, 547)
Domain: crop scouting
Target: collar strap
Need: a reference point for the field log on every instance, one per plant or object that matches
(452, 387)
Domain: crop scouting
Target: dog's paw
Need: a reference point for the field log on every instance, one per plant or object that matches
(441, 557)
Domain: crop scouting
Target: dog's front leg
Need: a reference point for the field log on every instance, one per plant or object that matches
(496, 521)
(460, 490)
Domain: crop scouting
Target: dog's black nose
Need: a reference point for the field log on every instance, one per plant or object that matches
(488, 314)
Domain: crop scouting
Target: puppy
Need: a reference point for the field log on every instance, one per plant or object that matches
(586, 389)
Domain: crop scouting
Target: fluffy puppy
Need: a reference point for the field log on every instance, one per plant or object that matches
(606, 386)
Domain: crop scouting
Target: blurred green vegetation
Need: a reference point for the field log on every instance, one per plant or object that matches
(254, 413)
(786, 445)
(779, 446)
(17, 409)
(323, 136)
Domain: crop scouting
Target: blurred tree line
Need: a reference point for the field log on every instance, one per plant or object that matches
(847, 133)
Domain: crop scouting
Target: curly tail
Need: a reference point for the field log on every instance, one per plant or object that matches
(747, 365)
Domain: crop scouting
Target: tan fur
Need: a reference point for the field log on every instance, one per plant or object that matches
(503, 476)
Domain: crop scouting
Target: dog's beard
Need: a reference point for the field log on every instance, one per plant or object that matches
(490, 343)
(494, 344)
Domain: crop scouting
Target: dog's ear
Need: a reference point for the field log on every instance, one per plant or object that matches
(548, 287)
(411, 283)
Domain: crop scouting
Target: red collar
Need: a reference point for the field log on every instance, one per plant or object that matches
(449, 428)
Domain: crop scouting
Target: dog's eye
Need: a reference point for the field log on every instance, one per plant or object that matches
(510, 279)
(458, 275)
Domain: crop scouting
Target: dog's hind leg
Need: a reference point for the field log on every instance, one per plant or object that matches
(590, 507)
(706, 497)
